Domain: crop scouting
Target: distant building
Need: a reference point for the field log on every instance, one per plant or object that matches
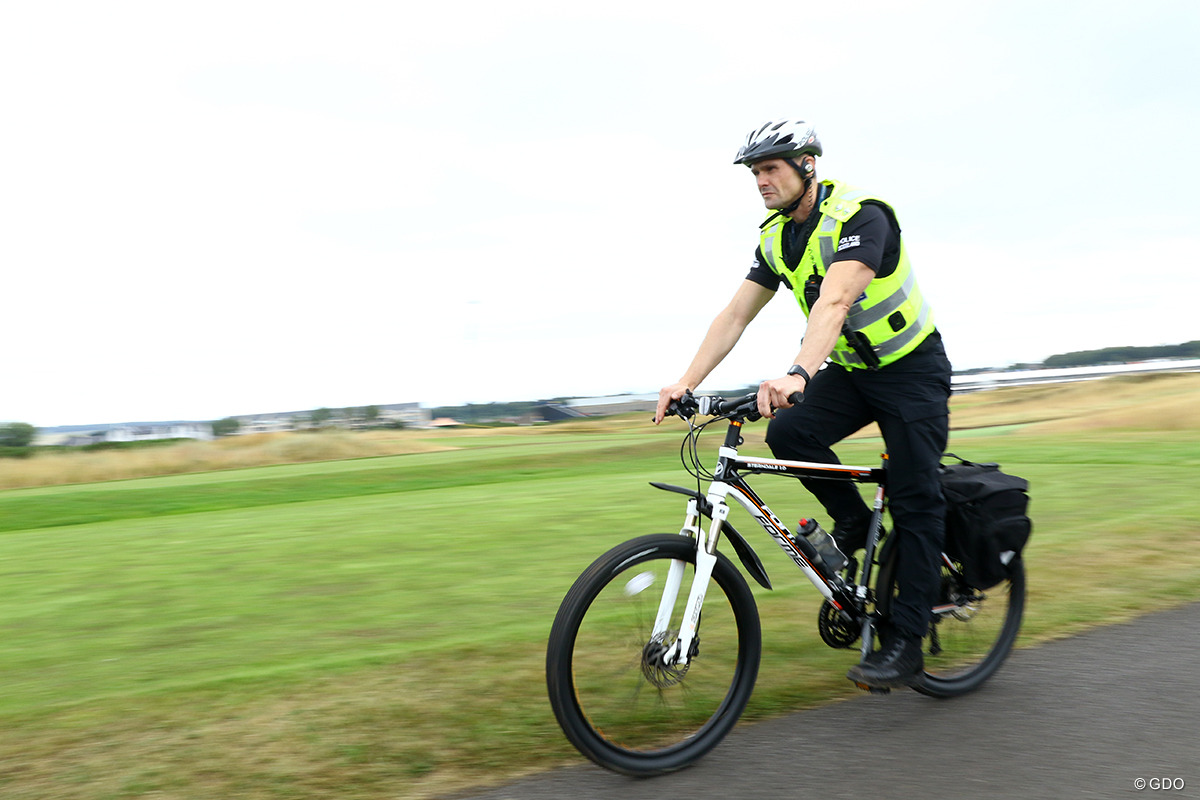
(556, 412)
(165, 430)
(613, 404)
(411, 415)
(247, 425)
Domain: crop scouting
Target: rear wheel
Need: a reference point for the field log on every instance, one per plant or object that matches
(972, 631)
(611, 693)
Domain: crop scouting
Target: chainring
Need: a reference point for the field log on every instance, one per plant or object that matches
(835, 631)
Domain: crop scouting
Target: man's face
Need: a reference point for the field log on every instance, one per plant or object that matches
(778, 183)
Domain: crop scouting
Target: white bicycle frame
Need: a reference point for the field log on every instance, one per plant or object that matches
(727, 484)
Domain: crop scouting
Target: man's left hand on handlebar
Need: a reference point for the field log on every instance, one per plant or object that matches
(775, 394)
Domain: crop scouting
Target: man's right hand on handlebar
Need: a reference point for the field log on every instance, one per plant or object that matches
(780, 393)
(666, 396)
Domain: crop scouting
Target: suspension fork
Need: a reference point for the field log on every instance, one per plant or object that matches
(706, 560)
(662, 621)
(706, 556)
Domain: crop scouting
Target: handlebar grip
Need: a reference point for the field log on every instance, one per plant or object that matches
(796, 398)
(732, 406)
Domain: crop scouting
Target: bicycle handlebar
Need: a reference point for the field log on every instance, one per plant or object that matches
(745, 406)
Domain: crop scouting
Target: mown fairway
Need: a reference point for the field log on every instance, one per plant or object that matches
(375, 628)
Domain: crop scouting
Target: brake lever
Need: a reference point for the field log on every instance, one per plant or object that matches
(685, 407)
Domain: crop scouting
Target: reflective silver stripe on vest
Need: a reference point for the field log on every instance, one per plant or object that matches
(895, 344)
(769, 253)
(828, 223)
(827, 250)
(866, 317)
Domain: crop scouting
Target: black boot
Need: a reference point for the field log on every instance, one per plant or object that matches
(898, 663)
(884, 636)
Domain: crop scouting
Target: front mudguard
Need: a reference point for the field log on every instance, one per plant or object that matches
(745, 552)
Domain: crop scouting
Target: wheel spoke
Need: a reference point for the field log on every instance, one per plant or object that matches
(971, 634)
(613, 695)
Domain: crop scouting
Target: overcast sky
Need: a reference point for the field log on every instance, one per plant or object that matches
(220, 208)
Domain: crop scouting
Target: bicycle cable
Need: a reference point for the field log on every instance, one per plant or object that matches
(689, 452)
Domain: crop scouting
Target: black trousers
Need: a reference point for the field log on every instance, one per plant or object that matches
(910, 401)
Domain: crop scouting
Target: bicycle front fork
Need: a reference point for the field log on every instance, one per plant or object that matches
(706, 547)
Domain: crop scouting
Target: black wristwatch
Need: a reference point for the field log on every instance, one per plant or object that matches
(802, 372)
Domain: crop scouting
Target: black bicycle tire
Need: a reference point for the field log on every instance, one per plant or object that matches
(933, 685)
(560, 649)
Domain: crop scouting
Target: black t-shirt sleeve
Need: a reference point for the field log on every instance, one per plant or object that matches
(867, 237)
(761, 274)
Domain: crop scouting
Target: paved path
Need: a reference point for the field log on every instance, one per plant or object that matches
(1084, 717)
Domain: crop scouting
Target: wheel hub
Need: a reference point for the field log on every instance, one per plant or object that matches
(656, 671)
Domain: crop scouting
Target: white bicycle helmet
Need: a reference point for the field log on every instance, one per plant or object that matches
(783, 138)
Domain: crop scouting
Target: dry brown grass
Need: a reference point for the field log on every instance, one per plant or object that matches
(255, 450)
(1138, 402)
(1168, 402)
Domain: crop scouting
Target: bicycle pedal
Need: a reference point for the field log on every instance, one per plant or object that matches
(873, 689)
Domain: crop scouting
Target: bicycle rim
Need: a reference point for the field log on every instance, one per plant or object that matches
(974, 631)
(611, 700)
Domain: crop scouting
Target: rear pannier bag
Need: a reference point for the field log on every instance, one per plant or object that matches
(987, 523)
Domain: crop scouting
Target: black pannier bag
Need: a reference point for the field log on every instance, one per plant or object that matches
(987, 523)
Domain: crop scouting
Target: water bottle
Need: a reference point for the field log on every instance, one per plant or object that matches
(833, 559)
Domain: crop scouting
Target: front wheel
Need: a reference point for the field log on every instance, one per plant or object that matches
(616, 702)
(972, 631)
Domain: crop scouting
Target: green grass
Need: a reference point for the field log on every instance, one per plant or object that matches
(271, 486)
(376, 628)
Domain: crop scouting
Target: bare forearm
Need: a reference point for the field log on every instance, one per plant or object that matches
(722, 335)
(844, 282)
(824, 328)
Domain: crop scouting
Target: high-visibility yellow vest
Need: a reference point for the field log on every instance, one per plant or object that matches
(892, 313)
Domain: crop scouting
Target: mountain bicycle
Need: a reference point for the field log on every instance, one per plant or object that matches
(655, 650)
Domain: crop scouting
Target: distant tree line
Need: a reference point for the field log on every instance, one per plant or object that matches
(1123, 355)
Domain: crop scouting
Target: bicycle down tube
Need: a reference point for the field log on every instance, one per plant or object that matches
(728, 482)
